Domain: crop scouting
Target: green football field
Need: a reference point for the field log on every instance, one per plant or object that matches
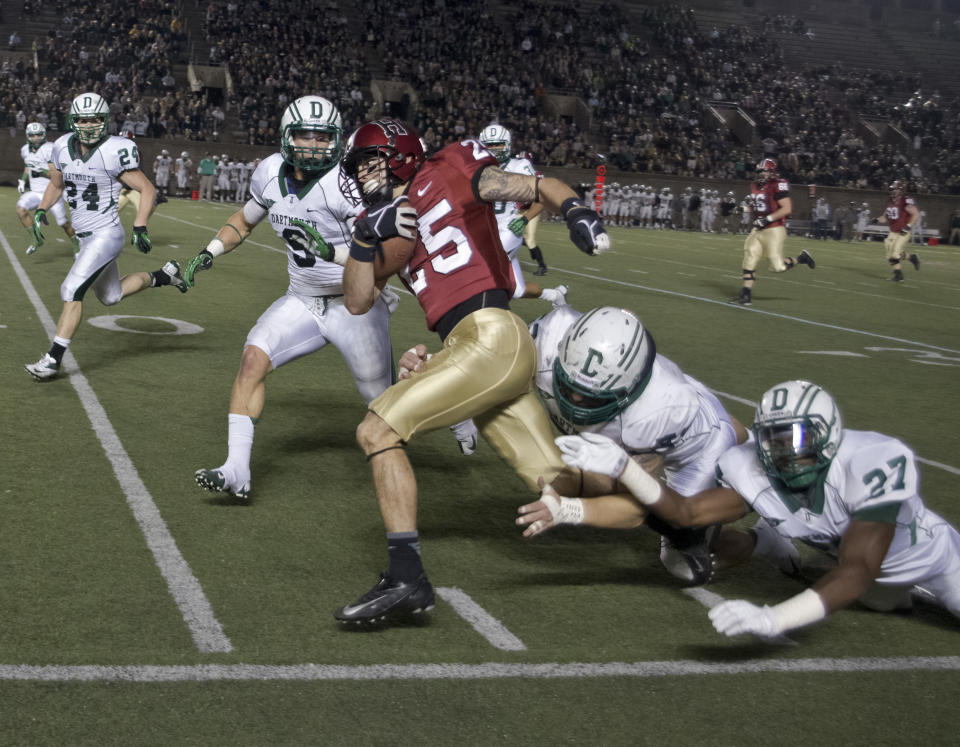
(136, 608)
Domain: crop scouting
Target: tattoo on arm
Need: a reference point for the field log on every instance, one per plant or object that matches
(499, 186)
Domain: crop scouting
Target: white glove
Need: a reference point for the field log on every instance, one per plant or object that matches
(21, 186)
(602, 244)
(593, 453)
(739, 616)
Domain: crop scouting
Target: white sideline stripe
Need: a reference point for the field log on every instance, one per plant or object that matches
(710, 600)
(482, 621)
(754, 310)
(207, 633)
(485, 671)
(930, 462)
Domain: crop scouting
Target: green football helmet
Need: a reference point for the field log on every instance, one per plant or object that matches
(798, 430)
(497, 139)
(603, 364)
(311, 114)
(86, 107)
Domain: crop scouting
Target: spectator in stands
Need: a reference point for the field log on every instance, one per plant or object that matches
(821, 219)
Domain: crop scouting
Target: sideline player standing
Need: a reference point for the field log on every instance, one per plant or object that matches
(900, 213)
(460, 275)
(37, 154)
(90, 166)
(770, 207)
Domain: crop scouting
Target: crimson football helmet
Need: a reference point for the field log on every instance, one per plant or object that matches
(380, 155)
(897, 187)
(766, 170)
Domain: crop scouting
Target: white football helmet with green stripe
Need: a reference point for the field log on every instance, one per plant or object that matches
(603, 364)
(497, 139)
(88, 118)
(311, 114)
(798, 430)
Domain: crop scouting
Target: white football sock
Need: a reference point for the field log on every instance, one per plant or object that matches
(239, 445)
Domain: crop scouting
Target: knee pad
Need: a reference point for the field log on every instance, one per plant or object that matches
(749, 275)
(893, 260)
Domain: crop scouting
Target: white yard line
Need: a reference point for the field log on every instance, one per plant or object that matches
(754, 310)
(453, 671)
(482, 621)
(206, 630)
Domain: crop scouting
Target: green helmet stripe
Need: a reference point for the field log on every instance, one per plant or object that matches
(804, 403)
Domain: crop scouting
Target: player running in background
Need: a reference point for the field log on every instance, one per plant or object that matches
(511, 222)
(89, 166)
(770, 208)
(37, 154)
(900, 214)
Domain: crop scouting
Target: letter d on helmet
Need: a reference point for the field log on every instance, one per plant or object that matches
(603, 364)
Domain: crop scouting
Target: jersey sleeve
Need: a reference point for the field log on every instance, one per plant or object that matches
(259, 181)
(782, 189)
(880, 479)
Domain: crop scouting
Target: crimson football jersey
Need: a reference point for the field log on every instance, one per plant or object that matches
(766, 198)
(896, 212)
(458, 252)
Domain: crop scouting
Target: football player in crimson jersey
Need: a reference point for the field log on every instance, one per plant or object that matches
(770, 207)
(900, 213)
(853, 495)
(461, 276)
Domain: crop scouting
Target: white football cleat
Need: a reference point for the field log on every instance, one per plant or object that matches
(466, 435)
(44, 369)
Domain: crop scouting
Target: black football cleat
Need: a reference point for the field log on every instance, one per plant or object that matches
(898, 276)
(688, 554)
(387, 601)
(805, 258)
(915, 261)
(745, 298)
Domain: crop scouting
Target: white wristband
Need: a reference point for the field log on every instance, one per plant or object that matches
(638, 481)
(565, 510)
(215, 247)
(803, 609)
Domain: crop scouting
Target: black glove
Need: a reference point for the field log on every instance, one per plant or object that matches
(586, 228)
(141, 239)
(382, 222)
(760, 223)
(905, 231)
(386, 221)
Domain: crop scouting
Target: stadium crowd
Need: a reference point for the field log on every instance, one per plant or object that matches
(647, 93)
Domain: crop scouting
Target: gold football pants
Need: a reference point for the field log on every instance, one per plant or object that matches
(486, 372)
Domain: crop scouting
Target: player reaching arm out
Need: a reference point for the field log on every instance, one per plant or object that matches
(851, 494)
